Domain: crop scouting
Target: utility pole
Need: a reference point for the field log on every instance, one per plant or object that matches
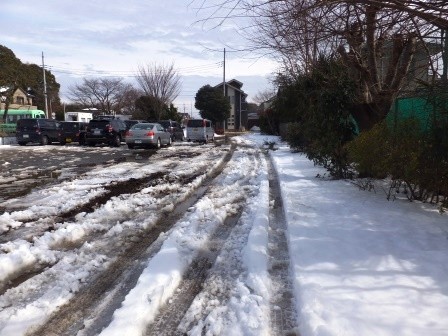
(444, 38)
(224, 74)
(45, 86)
(224, 85)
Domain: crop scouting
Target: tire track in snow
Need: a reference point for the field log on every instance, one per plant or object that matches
(170, 316)
(283, 312)
(113, 284)
(36, 228)
(124, 188)
(196, 278)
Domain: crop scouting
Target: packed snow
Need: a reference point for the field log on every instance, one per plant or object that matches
(360, 265)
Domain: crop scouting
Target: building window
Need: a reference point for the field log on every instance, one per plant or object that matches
(20, 100)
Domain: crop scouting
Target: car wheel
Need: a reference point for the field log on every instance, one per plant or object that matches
(159, 143)
(82, 141)
(130, 146)
(22, 143)
(44, 141)
(90, 144)
(116, 141)
(170, 142)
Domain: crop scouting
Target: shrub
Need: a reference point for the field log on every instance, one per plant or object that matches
(369, 150)
(414, 159)
(319, 105)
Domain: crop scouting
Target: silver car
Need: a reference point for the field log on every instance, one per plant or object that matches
(143, 135)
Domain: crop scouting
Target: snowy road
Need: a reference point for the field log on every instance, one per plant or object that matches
(172, 243)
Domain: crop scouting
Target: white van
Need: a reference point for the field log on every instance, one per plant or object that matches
(200, 130)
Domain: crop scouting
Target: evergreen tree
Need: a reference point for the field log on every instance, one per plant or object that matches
(212, 104)
(28, 77)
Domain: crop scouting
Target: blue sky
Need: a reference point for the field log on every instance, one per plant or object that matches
(114, 37)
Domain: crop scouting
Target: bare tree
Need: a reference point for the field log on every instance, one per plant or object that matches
(377, 39)
(126, 104)
(161, 83)
(264, 96)
(105, 94)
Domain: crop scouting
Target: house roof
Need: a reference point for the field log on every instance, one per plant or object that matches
(235, 84)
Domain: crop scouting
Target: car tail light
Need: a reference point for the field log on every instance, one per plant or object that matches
(38, 130)
(150, 133)
(128, 133)
(109, 128)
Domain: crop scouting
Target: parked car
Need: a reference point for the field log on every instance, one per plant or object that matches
(200, 130)
(105, 131)
(131, 122)
(39, 130)
(72, 131)
(143, 135)
(177, 132)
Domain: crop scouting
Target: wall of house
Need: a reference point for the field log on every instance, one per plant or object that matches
(231, 122)
(237, 115)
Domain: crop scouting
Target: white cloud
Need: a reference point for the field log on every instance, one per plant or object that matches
(112, 37)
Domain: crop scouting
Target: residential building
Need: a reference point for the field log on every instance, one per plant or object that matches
(20, 100)
(238, 111)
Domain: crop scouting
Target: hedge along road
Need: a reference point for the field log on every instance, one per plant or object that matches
(116, 222)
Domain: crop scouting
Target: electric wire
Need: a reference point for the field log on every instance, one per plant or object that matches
(198, 69)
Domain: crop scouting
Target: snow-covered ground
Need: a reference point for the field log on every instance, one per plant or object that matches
(360, 265)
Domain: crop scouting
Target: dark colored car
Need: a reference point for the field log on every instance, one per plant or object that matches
(105, 131)
(177, 132)
(72, 131)
(131, 122)
(43, 131)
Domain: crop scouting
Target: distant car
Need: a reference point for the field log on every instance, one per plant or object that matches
(144, 135)
(131, 122)
(177, 133)
(39, 130)
(72, 131)
(106, 131)
(200, 130)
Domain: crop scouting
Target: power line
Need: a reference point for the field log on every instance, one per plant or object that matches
(127, 73)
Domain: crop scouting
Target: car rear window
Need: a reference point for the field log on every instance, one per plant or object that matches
(130, 123)
(165, 124)
(195, 123)
(142, 126)
(98, 123)
(26, 123)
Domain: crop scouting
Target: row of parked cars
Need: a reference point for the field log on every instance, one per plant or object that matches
(111, 131)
